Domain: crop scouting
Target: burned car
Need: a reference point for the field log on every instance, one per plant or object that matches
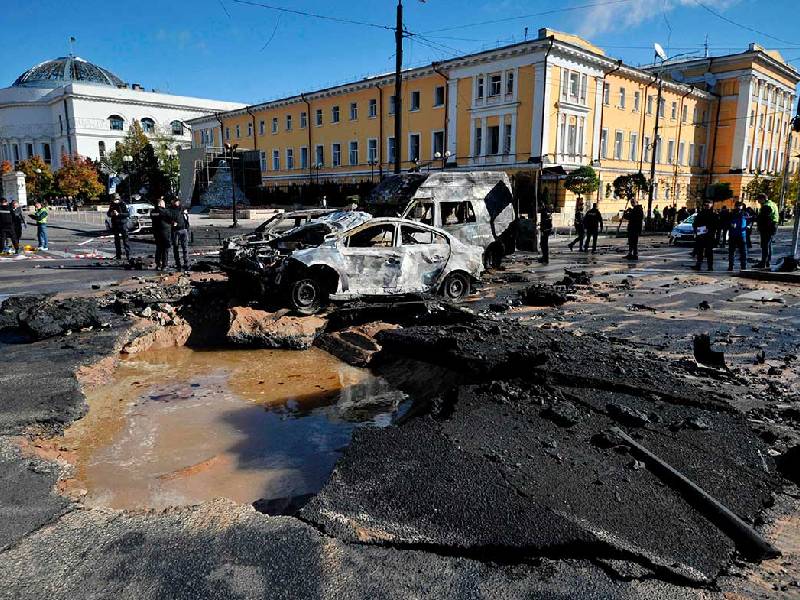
(282, 222)
(348, 255)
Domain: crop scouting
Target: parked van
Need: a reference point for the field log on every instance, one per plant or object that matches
(474, 207)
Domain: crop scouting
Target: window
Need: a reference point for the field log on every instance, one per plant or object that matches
(274, 124)
(649, 105)
(684, 113)
(572, 137)
(148, 125)
(414, 101)
(657, 149)
(438, 143)
(250, 129)
(674, 111)
(618, 136)
(227, 133)
(177, 128)
(276, 160)
(288, 122)
(261, 127)
(353, 111)
(694, 116)
(101, 149)
(691, 155)
(336, 154)
(661, 108)
(480, 87)
(438, 96)
(373, 108)
(671, 152)
(290, 158)
(494, 139)
(29, 150)
(634, 149)
(335, 114)
(637, 97)
(372, 150)
(116, 123)
(478, 140)
(622, 98)
(495, 84)
(510, 83)
(681, 153)
(378, 236)
(353, 154)
(303, 157)
(606, 93)
(412, 236)
(604, 143)
(262, 157)
(413, 146)
(761, 121)
(48, 157)
(391, 149)
(647, 149)
(303, 120)
(456, 213)
(392, 104)
(319, 155)
(238, 132)
(507, 139)
(318, 117)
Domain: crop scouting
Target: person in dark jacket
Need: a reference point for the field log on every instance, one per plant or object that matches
(545, 230)
(750, 215)
(722, 231)
(161, 218)
(7, 233)
(180, 234)
(579, 229)
(767, 222)
(593, 222)
(19, 219)
(737, 236)
(705, 235)
(119, 216)
(635, 218)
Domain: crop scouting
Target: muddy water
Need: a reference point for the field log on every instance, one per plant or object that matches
(179, 426)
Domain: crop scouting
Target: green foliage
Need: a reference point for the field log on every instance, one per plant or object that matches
(720, 191)
(582, 181)
(78, 177)
(38, 185)
(759, 185)
(629, 186)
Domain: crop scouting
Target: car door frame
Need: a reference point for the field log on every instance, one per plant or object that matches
(358, 262)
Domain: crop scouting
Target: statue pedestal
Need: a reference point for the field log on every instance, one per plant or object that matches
(14, 187)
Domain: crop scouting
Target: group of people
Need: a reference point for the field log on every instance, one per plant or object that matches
(587, 227)
(732, 228)
(170, 229)
(12, 223)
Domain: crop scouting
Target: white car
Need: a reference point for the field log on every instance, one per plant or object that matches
(683, 231)
(139, 217)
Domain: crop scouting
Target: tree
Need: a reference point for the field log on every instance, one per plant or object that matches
(6, 167)
(38, 185)
(151, 169)
(719, 192)
(582, 181)
(151, 175)
(629, 186)
(758, 185)
(78, 177)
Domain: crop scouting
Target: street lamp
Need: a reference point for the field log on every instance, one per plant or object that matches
(126, 162)
(39, 183)
(232, 148)
(442, 157)
(171, 153)
(372, 164)
(317, 167)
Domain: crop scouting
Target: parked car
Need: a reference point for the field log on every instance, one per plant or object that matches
(139, 218)
(683, 231)
(348, 255)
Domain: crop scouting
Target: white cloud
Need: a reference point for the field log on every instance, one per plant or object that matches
(619, 16)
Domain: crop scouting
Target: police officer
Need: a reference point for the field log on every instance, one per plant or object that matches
(737, 239)
(7, 233)
(161, 218)
(545, 229)
(635, 217)
(39, 217)
(19, 219)
(705, 234)
(180, 234)
(579, 228)
(593, 222)
(119, 217)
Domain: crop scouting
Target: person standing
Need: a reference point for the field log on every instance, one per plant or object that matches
(19, 219)
(180, 235)
(635, 217)
(161, 218)
(7, 233)
(40, 214)
(722, 229)
(750, 215)
(767, 222)
(120, 217)
(545, 230)
(593, 222)
(579, 229)
(705, 231)
(737, 236)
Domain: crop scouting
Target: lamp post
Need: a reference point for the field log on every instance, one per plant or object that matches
(317, 168)
(231, 148)
(126, 162)
(372, 164)
(39, 183)
(442, 157)
(171, 154)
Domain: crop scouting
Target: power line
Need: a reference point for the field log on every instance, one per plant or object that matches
(745, 27)
(539, 14)
(314, 15)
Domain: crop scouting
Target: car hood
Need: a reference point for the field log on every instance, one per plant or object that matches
(334, 222)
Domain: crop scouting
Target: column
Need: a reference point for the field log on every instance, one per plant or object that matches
(452, 118)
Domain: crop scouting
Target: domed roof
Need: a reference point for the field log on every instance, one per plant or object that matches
(65, 70)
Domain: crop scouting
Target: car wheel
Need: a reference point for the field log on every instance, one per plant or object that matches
(306, 296)
(493, 256)
(455, 287)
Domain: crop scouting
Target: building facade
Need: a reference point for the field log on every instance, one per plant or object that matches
(71, 106)
(551, 105)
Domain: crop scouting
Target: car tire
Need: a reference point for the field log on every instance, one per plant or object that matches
(455, 287)
(493, 256)
(306, 296)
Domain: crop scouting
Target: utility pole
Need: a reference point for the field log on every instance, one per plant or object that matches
(656, 145)
(398, 78)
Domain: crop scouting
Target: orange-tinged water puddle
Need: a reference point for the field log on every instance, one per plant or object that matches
(179, 426)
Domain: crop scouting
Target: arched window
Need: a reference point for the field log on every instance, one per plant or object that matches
(148, 125)
(177, 128)
(116, 123)
(101, 147)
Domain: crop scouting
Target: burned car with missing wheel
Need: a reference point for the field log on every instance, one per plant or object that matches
(347, 255)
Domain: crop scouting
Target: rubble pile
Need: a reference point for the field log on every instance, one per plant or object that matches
(42, 317)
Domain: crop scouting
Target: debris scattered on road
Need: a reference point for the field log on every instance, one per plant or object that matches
(543, 294)
(704, 355)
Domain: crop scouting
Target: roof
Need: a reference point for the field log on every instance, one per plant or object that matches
(65, 70)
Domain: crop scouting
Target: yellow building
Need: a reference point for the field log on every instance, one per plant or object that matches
(548, 105)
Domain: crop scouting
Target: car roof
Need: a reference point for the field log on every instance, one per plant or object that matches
(398, 221)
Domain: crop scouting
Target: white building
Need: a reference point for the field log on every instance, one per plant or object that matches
(71, 106)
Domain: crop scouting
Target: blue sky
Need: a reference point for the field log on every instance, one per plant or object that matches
(228, 50)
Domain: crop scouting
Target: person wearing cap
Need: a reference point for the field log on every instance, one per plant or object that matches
(705, 234)
(119, 216)
(180, 234)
